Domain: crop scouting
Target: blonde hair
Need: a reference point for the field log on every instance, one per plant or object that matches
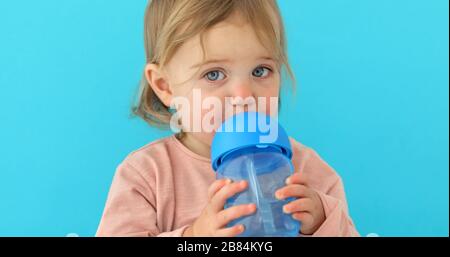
(170, 23)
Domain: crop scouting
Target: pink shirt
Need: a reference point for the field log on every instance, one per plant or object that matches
(161, 188)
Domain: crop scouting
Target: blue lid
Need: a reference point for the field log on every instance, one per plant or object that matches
(246, 130)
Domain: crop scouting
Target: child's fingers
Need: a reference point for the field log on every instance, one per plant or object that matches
(226, 216)
(230, 232)
(296, 178)
(305, 218)
(216, 186)
(294, 190)
(299, 205)
(227, 191)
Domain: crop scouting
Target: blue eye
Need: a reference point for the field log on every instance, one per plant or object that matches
(261, 72)
(215, 75)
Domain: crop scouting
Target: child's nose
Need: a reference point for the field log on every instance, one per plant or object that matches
(241, 89)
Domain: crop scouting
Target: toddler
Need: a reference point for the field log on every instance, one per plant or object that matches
(205, 58)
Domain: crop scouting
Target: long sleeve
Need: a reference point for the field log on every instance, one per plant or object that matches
(130, 209)
(338, 221)
(325, 180)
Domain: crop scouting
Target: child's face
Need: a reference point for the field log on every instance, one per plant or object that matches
(240, 67)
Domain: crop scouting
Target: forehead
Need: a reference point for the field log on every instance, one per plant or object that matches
(232, 39)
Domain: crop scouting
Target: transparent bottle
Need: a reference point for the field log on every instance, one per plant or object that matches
(265, 165)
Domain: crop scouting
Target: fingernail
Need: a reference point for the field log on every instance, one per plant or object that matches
(288, 180)
(228, 181)
(278, 195)
(285, 209)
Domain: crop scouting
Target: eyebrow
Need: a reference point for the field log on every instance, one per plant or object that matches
(225, 60)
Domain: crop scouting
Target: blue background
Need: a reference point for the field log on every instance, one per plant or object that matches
(372, 100)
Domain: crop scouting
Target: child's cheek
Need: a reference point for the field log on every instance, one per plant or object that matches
(211, 119)
(269, 105)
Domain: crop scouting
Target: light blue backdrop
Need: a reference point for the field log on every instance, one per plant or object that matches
(372, 99)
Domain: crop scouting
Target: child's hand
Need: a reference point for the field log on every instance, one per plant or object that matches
(214, 218)
(308, 208)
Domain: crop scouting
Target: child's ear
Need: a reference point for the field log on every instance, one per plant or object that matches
(159, 83)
